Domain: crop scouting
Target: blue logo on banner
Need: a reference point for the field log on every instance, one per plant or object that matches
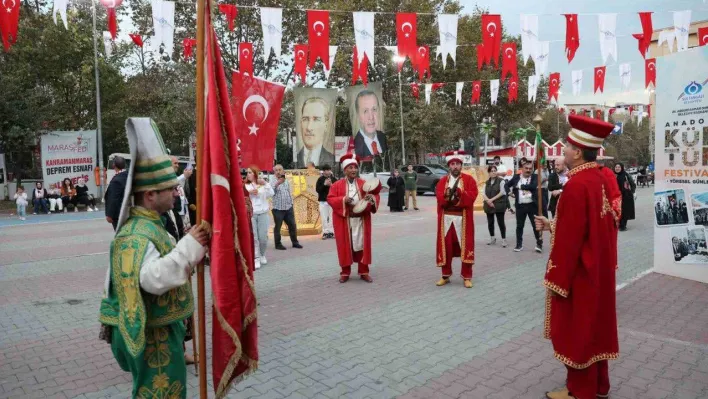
(693, 88)
(619, 126)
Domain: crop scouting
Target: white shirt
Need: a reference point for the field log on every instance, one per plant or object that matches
(21, 198)
(525, 197)
(563, 178)
(260, 201)
(161, 274)
(314, 155)
(368, 141)
(501, 170)
(452, 220)
(355, 224)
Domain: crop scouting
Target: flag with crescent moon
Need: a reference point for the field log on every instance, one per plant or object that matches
(491, 37)
(494, 90)
(554, 86)
(599, 79)
(9, 21)
(230, 12)
(422, 61)
(644, 38)
(607, 26)
(406, 36)
(447, 27)
(476, 91)
(649, 72)
(509, 61)
(703, 36)
(415, 90)
(572, 36)
(318, 36)
(513, 89)
(300, 64)
(223, 206)
(245, 58)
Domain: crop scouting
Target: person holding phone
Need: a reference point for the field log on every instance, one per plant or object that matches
(259, 191)
(283, 208)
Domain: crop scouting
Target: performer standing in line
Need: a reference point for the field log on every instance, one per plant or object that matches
(456, 194)
(147, 290)
(352, 232)
(581, 319)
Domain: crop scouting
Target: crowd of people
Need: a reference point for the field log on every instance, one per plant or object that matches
(55, 199)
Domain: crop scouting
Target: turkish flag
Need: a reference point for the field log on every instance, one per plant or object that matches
(230, 12)
(189, 45)
(649, 72)
(406, 36)
(554, 86)
(9, 21)
(509, 61)
(644, 38)
(300, 53)
(476, 91)
(513, 89)
(481, 56)
(599, 79)
(361, 70)
(256, 108)
(245, 58)
(222, 206)
(137, 39)
(318, 36)
(422, 61)
(703, 36)
(435, 86)
(572, 36)
(491, 37)
(415, 90)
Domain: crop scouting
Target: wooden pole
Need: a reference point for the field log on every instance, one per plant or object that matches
(201, 308)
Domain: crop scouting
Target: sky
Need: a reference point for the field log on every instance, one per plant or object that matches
(552, 28)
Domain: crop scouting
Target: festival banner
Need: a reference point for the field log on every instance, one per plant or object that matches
(314, 126)
(366, 112)
(69, 155)
(681, 196)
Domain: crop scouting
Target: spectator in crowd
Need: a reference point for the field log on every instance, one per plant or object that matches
(556, 181)
(627, 188)
(39, 199)
(495, 204)
(324, 182)
(259, 192)
(54, 197)
(411, 180)
(21, 202)
(396, 191)
(523, 188)
(68, 194)
(501, 169)
(283, 208)
(116, 191)
(83, 196)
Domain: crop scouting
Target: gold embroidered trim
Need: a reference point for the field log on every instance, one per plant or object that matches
(583, 167)
(550, 266)
(617, 204)
(602, 356)
(547, 319)
(555, 288)
(606, 208)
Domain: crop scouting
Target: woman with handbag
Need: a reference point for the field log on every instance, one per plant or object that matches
(396, 191)
(627, 187)
(495, 204)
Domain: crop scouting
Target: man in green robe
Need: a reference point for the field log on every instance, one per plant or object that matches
(147, 293)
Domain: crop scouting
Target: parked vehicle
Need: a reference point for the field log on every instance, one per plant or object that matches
(428, 176)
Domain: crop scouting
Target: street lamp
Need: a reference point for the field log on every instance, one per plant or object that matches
(398, 60)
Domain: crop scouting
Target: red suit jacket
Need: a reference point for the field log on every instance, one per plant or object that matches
(467, 193)
(340, 219)
(581, 318)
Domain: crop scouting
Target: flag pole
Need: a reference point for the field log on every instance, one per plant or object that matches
(201, 309)
(539, 149)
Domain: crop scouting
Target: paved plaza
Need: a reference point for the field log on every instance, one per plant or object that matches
(399, 337)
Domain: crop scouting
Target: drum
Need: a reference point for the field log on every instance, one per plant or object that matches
(372, 186)
(361, 208)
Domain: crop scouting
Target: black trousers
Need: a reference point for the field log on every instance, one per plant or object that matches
(524, 211)
(623, 223)
(289, 218)
(500, 222)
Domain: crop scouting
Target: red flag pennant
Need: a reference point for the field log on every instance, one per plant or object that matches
(300, 66)
(361, 70)
(703, 36)
(611, 111)
(572, 36)
(631, 109)
(230, 12)
(245, 58)
(415, 90)
(649, 72)
(481, 56)
(598, 114)
(111, 6)
(318, 36)
(189, 45)
(644, 38)
(513, 89)
(476, 91)
(509, 65)
(491, 37)
(436, 86)
(553, 86)
(422, 62)
(406, 36)
(599, 79)
(137, 39)
(9, 21)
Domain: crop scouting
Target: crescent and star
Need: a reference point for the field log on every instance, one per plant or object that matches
(255, 98)
(403, 28)
(314, 27)
(491, 24)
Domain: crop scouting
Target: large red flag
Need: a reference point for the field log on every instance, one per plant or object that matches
(256, 110)
(406, 36)
(223, 206)
(318, 36)
(245, 58)
(599, 79)
(649, 72)
(491, 37)
(422, 61)
(9, 21)
(703, 36)
(509, 61)
(481, 56)
(476, 91)
(572, 36)
(553, 86)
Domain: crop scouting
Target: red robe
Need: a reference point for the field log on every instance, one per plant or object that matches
(614, 195)
(581, 318)
(340, 220)
(467, 193)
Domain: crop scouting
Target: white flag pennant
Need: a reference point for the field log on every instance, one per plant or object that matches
(529, 36)
(533, 87)
(447, 26)
(494, 89)
(272, 24)
(607, 24)
(364, 35)
(640, 114)
(60, 7)
(332, 54)
(577, 77)
(163, 19)
(682, 23)
(668, 37)
(625, 71)
(541, 60)
(458, 92)
(108, 43)
(607, 114)
(428, 90)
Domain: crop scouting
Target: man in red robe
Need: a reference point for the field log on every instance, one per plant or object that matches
(581, 319)
(352, 231)
(456, 194)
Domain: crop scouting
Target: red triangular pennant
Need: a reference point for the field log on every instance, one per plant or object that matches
(300, 64)
(230, 12)
(245, 58)
(509, 64)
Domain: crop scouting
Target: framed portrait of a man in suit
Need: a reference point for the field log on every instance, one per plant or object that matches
(314, 120)
(366, 112)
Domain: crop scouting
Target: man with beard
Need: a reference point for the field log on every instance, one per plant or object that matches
(455, 194)
(352, 232)
(581, 319)
(314, 124)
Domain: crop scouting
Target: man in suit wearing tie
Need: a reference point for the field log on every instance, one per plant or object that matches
(369, 141)
(314, 124)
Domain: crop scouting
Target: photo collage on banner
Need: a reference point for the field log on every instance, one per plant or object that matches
(366, 112)
(315, 122)
(681, 196)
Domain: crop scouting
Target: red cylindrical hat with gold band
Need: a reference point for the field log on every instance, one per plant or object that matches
(588, 133)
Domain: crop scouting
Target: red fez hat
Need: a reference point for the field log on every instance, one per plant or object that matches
(456, 155)
(588, 133)
(348, 159)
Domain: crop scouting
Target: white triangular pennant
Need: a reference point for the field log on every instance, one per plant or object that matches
(529, 36)
(541, 60)
(107, 43)
(60, 7)
(494, 90)
(668, 37)
(447, 26)
(272, 24)
(458, 92)
(332, 54)
(640, 114)
(163, 19)
(607, 24)
(428, 90)
(625, 71)
(364, 35)
(682, 24)
(607, 114)
(533, 87)
(577, 77)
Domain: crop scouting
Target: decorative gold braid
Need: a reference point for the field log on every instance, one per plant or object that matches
(583, 167)
(555, 288)
(606, 208)
(225, 383)
(602, 356)
(547, 319)
(441, 262)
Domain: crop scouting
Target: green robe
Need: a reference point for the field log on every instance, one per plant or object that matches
(148, 330)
